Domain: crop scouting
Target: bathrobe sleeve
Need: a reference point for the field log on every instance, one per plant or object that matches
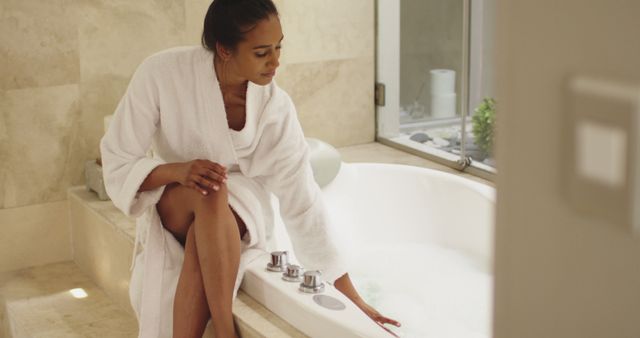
(285, 156)
(124, 146)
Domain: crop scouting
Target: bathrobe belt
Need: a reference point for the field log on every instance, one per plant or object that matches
(153, 279)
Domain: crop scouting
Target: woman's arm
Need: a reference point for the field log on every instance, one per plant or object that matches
(159, 176)
(344, 285)
(133, 181)
(123, 148)
(281, 163)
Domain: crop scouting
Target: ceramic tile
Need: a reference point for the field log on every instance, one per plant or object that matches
(100, 62)
(334, 99)
(263, 323)
(101, 249)
(42, 46)
(40, 123)
(109, 57)
(99, 97)
(48, 309)
(106, 210)
(136, 29)
(62, 333)
(326, 30)
(41, 226)
(195, 11)
(116, 326)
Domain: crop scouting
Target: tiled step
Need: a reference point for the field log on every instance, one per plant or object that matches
(40, 302)
(103, 240)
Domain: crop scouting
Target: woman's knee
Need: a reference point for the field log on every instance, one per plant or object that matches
(215, 201)
(175, 209)
(177, 196)
(215, 206)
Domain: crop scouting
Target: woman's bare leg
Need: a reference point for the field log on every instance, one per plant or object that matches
(219, 255)
(192, 304)
(190, 308)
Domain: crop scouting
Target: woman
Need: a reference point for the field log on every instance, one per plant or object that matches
(223, 136)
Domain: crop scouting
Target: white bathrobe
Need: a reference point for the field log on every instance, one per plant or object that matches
(174, 107)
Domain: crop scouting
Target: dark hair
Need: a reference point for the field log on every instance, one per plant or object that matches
(227, 21)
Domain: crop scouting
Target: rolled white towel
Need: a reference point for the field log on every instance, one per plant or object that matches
(325, 161)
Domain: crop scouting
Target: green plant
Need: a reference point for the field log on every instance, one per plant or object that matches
(484, 119)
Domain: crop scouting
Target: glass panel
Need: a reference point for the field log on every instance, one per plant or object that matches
(424, 63)
(482, 110)
(430, 60)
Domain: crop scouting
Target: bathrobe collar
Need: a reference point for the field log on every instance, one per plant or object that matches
(213, 104)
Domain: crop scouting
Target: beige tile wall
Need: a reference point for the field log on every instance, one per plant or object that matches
(41, 123)
(64, 65)
(34, 235)
(328, 67)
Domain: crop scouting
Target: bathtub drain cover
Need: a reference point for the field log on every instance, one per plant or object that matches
(329, 302)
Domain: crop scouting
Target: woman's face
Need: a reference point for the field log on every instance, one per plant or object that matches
(256, 57)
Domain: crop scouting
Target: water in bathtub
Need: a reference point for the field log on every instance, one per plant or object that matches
(433, 291)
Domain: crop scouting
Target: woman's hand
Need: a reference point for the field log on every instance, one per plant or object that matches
(201, 174)
(376, 316)
(344, 285)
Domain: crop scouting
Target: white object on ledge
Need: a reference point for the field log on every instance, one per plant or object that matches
(325, 161)
(443, 93)
(93, 179)
(443, 81)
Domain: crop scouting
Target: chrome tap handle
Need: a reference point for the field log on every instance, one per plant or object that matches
(312, 282)
(279, 261)
(293, 273)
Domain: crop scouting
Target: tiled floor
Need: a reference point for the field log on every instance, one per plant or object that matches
(39, 304)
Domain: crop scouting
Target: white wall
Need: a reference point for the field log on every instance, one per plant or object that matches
(559, 273)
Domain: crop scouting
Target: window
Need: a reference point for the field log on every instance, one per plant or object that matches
(434, 69)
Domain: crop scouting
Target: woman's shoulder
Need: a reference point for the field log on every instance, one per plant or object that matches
(274, 94)
(275, 100)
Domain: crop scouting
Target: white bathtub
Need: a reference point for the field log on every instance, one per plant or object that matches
(420, 242)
